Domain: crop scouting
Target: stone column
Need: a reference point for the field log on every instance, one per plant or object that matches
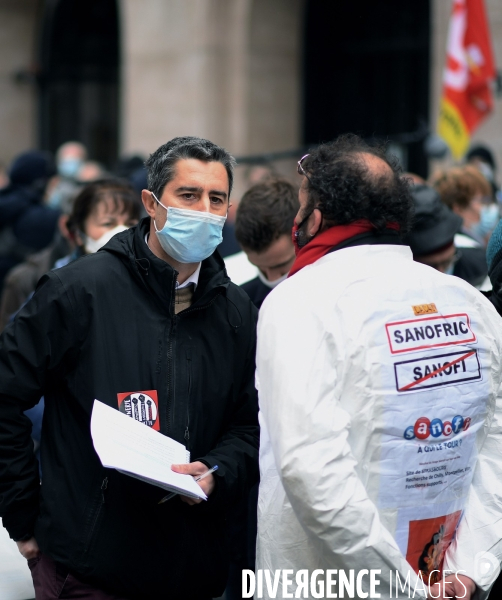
(228, 70)
(17, 106)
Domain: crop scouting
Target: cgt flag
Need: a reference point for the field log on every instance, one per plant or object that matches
(470, 69)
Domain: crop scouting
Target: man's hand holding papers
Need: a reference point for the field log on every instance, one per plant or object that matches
(132, 448)
(196, 469)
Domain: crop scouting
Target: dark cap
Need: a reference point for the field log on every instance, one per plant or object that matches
(30, 167)
(435, 224)
(484, 154)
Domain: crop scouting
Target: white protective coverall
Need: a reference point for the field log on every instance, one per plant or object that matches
(381, 413)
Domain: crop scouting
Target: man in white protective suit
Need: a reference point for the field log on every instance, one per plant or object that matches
(379, 382)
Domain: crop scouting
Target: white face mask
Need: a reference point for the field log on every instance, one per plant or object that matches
(271, 284)
(91, 245)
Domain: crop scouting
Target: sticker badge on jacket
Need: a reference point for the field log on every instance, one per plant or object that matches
(437, 370)
(142, 406)
(429, 332)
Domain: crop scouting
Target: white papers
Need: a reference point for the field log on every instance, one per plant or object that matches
(133, 448)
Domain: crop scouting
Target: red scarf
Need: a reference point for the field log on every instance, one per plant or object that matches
(321, 244)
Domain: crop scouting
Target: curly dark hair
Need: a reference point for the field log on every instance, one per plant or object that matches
(266, 211)
(342, 186)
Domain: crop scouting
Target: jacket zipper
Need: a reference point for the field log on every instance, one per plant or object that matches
(170, 362)
(188, 310)
(189, 365)
(104, 486)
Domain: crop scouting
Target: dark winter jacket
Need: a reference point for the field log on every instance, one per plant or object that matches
(495, 272)
(471, 266)
(256, 290)
(105, 326)
(26, 226)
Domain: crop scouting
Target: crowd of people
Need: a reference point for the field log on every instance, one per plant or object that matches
(38, 197)
(378, 343)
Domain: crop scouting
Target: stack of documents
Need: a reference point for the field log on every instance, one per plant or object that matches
(135, 449)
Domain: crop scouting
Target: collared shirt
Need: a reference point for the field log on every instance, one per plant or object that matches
(194, 277)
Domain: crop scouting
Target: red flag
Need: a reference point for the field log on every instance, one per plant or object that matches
(467, 98)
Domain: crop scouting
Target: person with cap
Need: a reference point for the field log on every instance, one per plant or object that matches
(483, 158)
(494, 261)
(435, 239)
(379, 381)
(26, 224)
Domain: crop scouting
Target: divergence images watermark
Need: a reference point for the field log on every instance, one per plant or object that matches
(339, 583)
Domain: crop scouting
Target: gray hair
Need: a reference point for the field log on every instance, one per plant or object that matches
(161, 164)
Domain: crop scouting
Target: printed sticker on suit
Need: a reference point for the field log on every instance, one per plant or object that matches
(413, 335)
(435, 405)
(437, 370)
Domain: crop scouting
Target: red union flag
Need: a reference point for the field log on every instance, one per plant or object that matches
(470, 69)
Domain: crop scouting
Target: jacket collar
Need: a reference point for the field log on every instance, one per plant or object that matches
(387, 237)
(157, 275)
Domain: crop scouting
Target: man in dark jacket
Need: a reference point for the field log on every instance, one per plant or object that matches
(153, 312)
(436, 239)
(494, 261)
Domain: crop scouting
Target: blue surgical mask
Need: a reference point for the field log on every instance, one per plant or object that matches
(54, 200)
(189, 236)
(69, 167)
(489, 218)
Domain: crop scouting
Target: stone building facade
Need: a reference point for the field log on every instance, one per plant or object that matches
(228, 70)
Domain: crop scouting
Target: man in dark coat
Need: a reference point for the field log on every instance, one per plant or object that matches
(153, 313)
(436, 239)
(494, 261)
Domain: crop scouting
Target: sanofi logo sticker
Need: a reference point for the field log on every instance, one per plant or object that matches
(425, 428)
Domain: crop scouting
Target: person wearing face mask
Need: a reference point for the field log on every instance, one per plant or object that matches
(364, 397)
(100, 211)
(263, 224)
(468, 194)
(483, 159)
(151, 315)
(70, 158)
(436, 241)
(91, 212)
(107, 208)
